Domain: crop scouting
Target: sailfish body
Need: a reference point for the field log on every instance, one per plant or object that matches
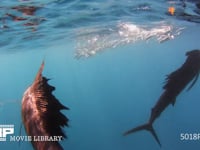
(175, 83)
(41, 114)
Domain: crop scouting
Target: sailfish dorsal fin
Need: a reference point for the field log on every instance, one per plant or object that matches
(41, 113)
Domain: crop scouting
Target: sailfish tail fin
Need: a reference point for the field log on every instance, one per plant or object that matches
(147, 127)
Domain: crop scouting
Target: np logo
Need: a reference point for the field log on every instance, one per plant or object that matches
(6, 130)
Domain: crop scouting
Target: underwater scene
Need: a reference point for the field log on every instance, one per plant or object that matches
(99, 75)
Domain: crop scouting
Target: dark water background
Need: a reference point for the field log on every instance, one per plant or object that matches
(114, 89)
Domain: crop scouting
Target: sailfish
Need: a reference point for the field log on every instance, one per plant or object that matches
(41, 114)
(175, 83)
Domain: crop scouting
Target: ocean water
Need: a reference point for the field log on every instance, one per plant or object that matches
(108, 61)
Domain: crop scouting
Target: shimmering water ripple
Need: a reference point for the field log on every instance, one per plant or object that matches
(24, 22)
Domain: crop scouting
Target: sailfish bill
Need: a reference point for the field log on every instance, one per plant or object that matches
(41, 114)
(175, 83)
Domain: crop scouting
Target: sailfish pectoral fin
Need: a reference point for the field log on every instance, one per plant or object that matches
(173, 101)
(147, 127)
(195, 80)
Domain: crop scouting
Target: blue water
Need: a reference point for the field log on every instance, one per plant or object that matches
(110, 89)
